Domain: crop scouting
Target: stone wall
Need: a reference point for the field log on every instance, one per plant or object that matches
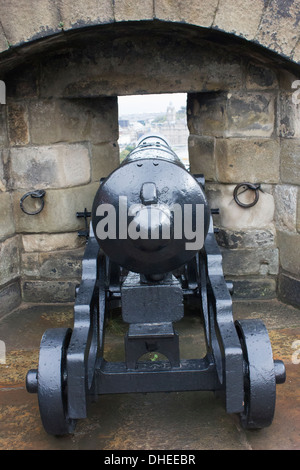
(59, 132)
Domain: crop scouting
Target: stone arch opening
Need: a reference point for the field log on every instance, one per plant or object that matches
(61, 113)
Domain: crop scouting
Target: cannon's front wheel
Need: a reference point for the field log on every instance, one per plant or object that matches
(260, 374)
(52, 382)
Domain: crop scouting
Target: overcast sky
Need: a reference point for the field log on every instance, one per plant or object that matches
(150, 103)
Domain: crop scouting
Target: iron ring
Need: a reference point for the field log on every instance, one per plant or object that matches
(253, 187)
(38, 194)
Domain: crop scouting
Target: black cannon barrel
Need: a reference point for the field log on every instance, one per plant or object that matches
(150, 215)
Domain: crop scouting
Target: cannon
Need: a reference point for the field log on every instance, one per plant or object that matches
(150, 249)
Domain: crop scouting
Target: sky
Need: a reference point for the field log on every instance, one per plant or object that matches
(150, 103)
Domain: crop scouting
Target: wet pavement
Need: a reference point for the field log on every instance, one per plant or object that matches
(158, 421)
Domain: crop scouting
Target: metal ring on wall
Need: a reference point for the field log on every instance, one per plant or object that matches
(251, 186)
(37, 194)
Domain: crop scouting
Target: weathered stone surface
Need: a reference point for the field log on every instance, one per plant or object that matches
(254, 288)
(250, 114)
(239, 17)
(289, 117)
(61, 265)
(126, 65)
(298, 212)
(255, 160)
(49, 242)
(290, 161)
(200, 13)
(85, 13)
(202, 156)
(59, 213)
(238, 114)
(131, 10)
(235, 217)
(289, 289)
(48, 291)
(55, 265)
(7, 226)
(296, 53)
(57, 166)
(22, 21)
(279, 27)
(259, 77)
(54, 121)
(249, 262)
(23, 82)
(4, 45)
(289, 249)
(18, 132)
(254, 238)
(4, 169)
(10, 297)
(9, 260)
(104, 159)
(3, 127)
(286, 207)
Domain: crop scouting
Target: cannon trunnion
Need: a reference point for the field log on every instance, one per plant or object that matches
(148, 255)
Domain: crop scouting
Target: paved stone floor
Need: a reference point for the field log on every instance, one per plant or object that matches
(162, 421)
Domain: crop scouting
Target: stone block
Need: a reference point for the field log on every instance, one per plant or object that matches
(200, 13)
(286, 207)
(48, 291)
(243, 262)
(54, 265)
(23, 81)
(56, 166)
(85, 13)
(49, 242)
(288, 117)
(278, 29)
(9, 260)
(202, 156)
(61, 265)
(255, 160)
(254, 288)
(22, 21)
(10, 297)
(104, 159)
(17, 118)
(250, 114)
(59, 213)
(289, 289)
(289, 249)
(7, 226)
(130, 10)
(30, 265)
(206, 114)
(259, 77)
(255, 238)
(54, 121)
(238, 114)
(239, 17)
(290, 161)
(234, 217)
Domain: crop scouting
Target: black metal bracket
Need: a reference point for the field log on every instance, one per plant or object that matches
(37, 194)
(85, 214)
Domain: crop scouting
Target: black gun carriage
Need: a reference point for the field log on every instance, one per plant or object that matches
(147, 262)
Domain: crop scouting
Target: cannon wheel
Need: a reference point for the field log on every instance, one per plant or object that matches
(52, 382)
(259, 375)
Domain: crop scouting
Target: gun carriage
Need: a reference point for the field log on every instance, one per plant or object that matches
(151, 247)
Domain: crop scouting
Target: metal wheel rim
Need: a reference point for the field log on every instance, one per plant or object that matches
(259, 374)
(52, 382)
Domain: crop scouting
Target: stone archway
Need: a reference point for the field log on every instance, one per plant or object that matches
(63, 79)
